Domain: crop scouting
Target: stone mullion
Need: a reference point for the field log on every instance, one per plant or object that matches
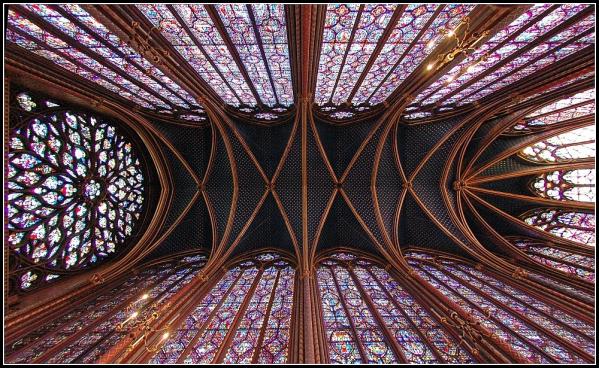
(293, 45)
(536, 42)
(408, 49)
(497, 322)
(543, 99)
(349, 44)
(294, 326)
(573, 64)
(72, 339)
(192, 36)
(59, 313)
(258, 347)
(523, 225)
(556, 299)
(108, 334)
(233, 51)
(504, 42)
(569, 107)
(75, 337)
(130, 24)
(314, 320)
(128, 349)
(410, 321)
(204, 325)
(226, 343)
(75, 62)
(522, 257)
(43, 24)
(395, 347)
(575, 305)
(262, 53)
(176, 300)
(499, 291)
(113, 49)
(298, 319)
(377, 50)
(572, 348)
(350, 318)
(494, 349)
(323, 351)
(569, 263)
(531, 62)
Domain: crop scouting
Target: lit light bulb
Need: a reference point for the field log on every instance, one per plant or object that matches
(450, 78)
(135, 314)
(450, 34)
(165, 335)
(145, 296)
(470, 69)
(430, 44)
(430, 66)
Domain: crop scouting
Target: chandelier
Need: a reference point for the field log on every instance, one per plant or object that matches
(464, 44)
(141, 318)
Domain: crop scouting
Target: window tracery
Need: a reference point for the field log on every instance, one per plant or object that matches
(84, 46)
(463, 84)
(539, 331)
(449, 17)
(568, 224)
(566, 185)
(566, 261)
(76, 190)
(88, 330)
(364, 308)
(244, 318)
(574, 145)
(258, 34)
(578, 105)
(343, 57)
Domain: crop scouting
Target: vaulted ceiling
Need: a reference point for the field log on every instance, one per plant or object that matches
(304, 127)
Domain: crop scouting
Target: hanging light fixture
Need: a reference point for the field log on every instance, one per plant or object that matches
(465, 44)
(141, 317)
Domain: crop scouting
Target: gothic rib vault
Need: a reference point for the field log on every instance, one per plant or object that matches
(303, 175)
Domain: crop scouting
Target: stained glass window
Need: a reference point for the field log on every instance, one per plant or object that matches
(369, 318)
(488, 69)
(84, 46)
(563, 185)
(339, 21)
(258, 34)
(75, 190)
(575, 264)
(88, 330)
(351, 35)
(575, 145)
(561, 83)
(412, 21)
(344, 57)
(539, 331)
(578, 105)
(257, 31)
(567, 224)
(245, 318)
(450, 16)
